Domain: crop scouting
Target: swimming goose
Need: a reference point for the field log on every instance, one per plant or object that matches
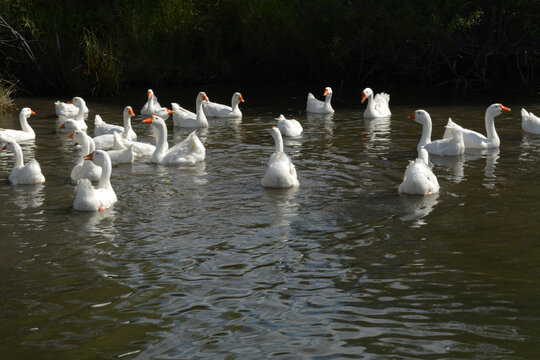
(186, 118)
(79, 117)
(289, 127)
(281, 172)
(449, 146)
(377, 106)
(21, 174)
(27, 133)
(213, 109)
(84, 169)
(102, 128)
(69, 109)
(530, 123)
(152, 107)
(418, 178)
(320, 107)
(89, 198)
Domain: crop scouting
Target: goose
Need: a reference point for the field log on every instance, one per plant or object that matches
(22, 174)
(418, 178)
(281, 172)
(377, 106)
(121, 154)
(79, 117)
(320, 107)
(449, 146)
(84, 169)
(186, 118)
(530, 123)
(475, 140)
(27, 133)
(223, 111)
(69, 109)
(189, 151)
(89, 198)
(152, 107)
(289, 127)
(102, 128)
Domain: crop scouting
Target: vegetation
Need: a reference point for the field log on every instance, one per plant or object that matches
(6, 96)
(100, 46)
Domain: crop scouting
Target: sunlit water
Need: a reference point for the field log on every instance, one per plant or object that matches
(201, 261)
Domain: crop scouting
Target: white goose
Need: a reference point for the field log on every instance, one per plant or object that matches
(102, 128)
(223, 111)
(446, 147)
(27, 133)
(79, 117)
(22, 174)
(320, 107)
(377, 106)
(530, 123)
(121, 154)
(281, 172)
(152, 107)
(186, 118)
(189, 151)
(84, 169)
(69, 109)
(418, 178)
(475, 140)
(289, 127)
(101, 197)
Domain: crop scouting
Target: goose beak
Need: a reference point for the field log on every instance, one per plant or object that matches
(130, 112)
(412, 116)
(89, 156)
(70, 101)
(149, 94)
(70, 136)
(325, 92)
(364, 97)
(148, 120)
(32, 112)
(169, 111)
(4, 147)
(205, 97)
(63, 126)
(504, 108)
(240, 98)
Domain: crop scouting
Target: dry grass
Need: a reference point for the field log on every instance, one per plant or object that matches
(7, 90)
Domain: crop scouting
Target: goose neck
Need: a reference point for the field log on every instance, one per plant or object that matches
(18, 154)
(105, 179)
(426, 132)
(24, 124)
(160, 132)
(490, 128)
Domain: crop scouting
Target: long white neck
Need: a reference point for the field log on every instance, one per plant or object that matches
(105, 179)
(327, 99)
(162, 145)
(279, 142)
(371, 103)
(201, 117)
(426, 132)
(234, 102)
(85, 145)
(17, 152)
(24, 124)
(80, 114)
(491, 133)
(127, 123)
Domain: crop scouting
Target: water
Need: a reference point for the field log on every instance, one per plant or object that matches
(201, 261)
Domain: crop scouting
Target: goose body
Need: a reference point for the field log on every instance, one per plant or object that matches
(447, 147)
(320, 107)
(530, 123)
(224, 111)
(377, 105)
(22, 174)
(289, 127)
(121, 154)
(281, 172)
(475, 140)
(152, 107)
(27, 133)
(84, 169)
(79, 117)
(418, 178)
(89, 198)
(186, 118)
(189, 151)
(69, 109)
(102, 128)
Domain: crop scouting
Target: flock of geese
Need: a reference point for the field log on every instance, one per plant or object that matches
(115, 144)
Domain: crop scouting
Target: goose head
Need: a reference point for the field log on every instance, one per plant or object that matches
(154, 120)
(7, 143)
(26, 112)
(77, 135)
(496, 109)
(276, 134)
(327, 91)
(150, 93)
(366, 93)
(237, 98)
(281, 117)
(70, 124)
(128, 112)
(202, 97)
(77, 101)
(420, 116)
(99, 157)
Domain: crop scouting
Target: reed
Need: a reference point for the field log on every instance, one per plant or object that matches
(7, 90)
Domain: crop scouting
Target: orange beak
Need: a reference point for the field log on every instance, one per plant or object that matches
(325, 92)
(70, 136)
(364, 97)
(149, 94)
(32, 112)
(130, 111)
(70, 101)
(205, 97)
(504, 108)
(4, 147)
(63, 126)
(169, 111)
(89, 156)
(412, 116)
(240, 98)
(149, 120)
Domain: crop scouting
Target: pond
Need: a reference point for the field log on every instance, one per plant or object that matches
(200, 261)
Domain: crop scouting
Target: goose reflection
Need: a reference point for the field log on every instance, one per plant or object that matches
(454, 163)
(378, 133)
(492, 155)
(327, 120)
(98, 224)
(28, 196)
(417, 208)
(282, 207)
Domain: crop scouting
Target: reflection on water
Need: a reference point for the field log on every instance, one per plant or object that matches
(200, 261)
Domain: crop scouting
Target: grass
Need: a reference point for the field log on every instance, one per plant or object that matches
(7, 89)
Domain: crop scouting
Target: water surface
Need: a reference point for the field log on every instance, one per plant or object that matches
(201, 261)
